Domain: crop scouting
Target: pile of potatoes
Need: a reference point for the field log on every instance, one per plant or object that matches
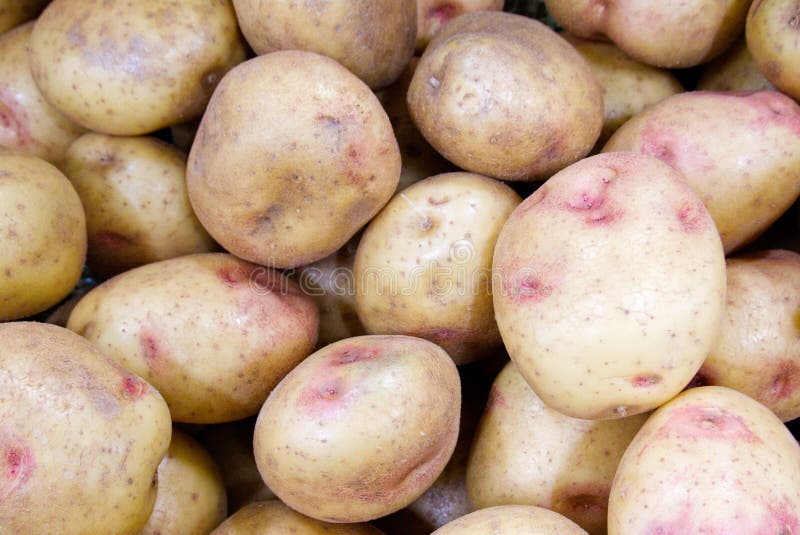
(398, 266)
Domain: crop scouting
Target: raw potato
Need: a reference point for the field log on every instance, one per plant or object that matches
(710, 461)
(664, 33)
(735, 70)
(361, 428)
(758, 349)
(15, 12)
(613, 284)
(771, 34)
(28, 123)
(191, 495)
(295, 192)
(43, 231)
(130, 68)
(511, 520)
(275, 518)
(423, 266)
(746, 178)
(137, 209)
(527, 453)
(505, 96)
(433, 14)
(80, 439)
(213, 333)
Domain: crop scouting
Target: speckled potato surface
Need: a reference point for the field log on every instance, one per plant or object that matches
(213, 333)
(735, 70)
(771, 34)
(15, 12)
(432, 15)
(711, 460)
(81, 437)
(361, 428)
(130, 68)
(511, 520)
(613, 284)
(276, 518)
(295, 192)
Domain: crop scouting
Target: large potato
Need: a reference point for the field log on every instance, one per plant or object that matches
(735, 70)
(130, 68)
(511, 520)
(505, 96)
(294, 192)
(43, 231)
(613, 284)
(710, 461)
(432, 15)
(275, 518)
(14, 12)
(81, 437)
(746, 178)
(213, 333)
(361, 428)
(771, 34)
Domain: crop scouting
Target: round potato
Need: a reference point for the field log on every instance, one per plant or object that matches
(735, 70)
(771, 34)
(213, 333)
(511, 520)
(81, 437)
(505, 96)
(130, 68)
(361, 428)
(43, 230)
(613, 285)
(276, 518)
(137, 209)
(295, 192)
(433, 14)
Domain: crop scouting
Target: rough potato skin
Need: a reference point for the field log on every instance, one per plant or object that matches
(735, 70)
(771, 33)
(432, 15)
(276, 518)
(15, 12)
(511, 520)
(361, 428)
(81, 437)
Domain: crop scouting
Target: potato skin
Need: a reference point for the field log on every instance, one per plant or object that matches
(81, 437)
(612, 310)
(771, 34)
(276, 518)
(252, 325)
(432, 15)
(361, 428)
(44, 236)
(511, 520)
(735, 70)
(295, 192)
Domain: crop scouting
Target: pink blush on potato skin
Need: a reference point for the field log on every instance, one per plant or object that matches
(706, 423)
(13, 121)
(18, 464)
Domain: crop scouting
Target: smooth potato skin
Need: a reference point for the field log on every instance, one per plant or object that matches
(276, 518)
(15, 12)
(432, 15)
(295, 192)
(735, 70)
(361, 428)
(511, 520)
(81, 437)
(771, 34)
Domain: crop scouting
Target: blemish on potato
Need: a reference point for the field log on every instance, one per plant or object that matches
(646, 380)
(697, 422)
(232, 274)
(133, 388)
(349, 355)
(782, 521)
(13, 122)
(785, 381)
(496, 400)
(150, 349)
(693, 217)
(18, 465)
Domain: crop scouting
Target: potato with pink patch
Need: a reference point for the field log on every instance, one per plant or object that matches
(361, 428)
(511, 520)
(712, 460)
(276, 518)
(432, 15)
(613, 284)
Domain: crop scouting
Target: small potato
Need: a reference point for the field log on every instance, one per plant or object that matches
(15, 12)
(43, 230)
(433, 14)
(361, 428)
(611, 311)
(81, 437)
(275, 518)
(295, 192)
(746, 178)
(423, 266)
(712, 460)
(771, 34)
(511, 520)
(505, 96)
(213, 333)
(137, 209)
(131, 68)
(735, 70)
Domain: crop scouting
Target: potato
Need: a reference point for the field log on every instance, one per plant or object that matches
(295, 192)
(613, 284)
(275, 518)
(735, 70)
(511, 520)
(710, 461)
(130, 68)
(505, 96)
(433, 14)
(746, 178)
(359, 429)
(771, 34)
(80, 440)
(15, 12)
(673, 33)
(137, 209)
(43, 230)
(423, 266)
(213, 333)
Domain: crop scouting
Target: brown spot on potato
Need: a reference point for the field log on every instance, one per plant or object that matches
(586, 503)
(211, 78)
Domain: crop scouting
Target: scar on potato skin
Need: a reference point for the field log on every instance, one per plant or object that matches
(18, 465)
(699, 422)
(133, 388)
(231, 274)
(785, 381)
(646, 380)
(692, 217)
(149, 345)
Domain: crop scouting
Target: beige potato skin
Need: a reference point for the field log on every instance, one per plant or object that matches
(423, 265)
(711, 460)
(758, 349)
(191, 495)
(771, 33)
(81, 437)
(527, 453)
(43, 230)
(130, 68)
(276, 518)
(672, 34)
(611, 311)
(15, 12)
(505, 96)
(361, 428)
(213, 333)
(511, 520)
(735, 70)
(432, 15)
(746, 178)
(137, 209)
(295, 192)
